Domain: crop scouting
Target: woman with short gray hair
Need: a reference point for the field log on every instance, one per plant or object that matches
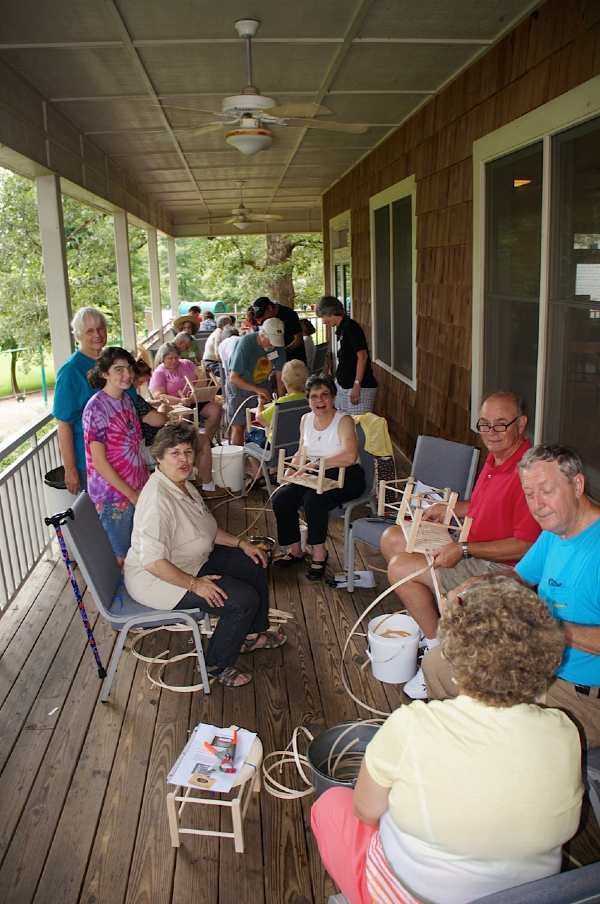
(356, 384)
(73, 391)
(180, 559)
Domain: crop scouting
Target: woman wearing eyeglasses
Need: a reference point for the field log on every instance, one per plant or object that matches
(113, 441)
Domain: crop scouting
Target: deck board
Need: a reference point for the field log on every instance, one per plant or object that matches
(82, 791)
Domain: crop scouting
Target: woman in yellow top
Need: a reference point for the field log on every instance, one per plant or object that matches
(294, 376)
(460, 798)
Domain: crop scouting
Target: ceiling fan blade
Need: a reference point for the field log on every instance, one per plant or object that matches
(203, 130)
(357, 128)
(263, 217)
(190, 109)
(308, 110)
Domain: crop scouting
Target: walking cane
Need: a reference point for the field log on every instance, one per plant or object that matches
(56, 521)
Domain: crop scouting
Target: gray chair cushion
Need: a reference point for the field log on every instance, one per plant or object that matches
(91, 548)
(573, 887)
(370, 530)
(441, 463)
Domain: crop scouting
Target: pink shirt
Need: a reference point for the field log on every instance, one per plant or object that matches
(172, 382)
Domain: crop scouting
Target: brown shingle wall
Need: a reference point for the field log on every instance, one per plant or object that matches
(552, 51)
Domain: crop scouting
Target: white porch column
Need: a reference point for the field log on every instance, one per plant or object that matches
(154, 280)
(50, 215)
(173, 275)
(124, 281)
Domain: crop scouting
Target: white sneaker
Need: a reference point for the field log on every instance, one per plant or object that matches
(416, 688)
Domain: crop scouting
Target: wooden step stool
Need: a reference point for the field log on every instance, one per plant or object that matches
(247, 781)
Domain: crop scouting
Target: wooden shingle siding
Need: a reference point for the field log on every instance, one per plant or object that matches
(554, 49)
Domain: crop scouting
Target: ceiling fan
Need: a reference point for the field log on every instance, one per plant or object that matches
(252, 114)
(242, 216)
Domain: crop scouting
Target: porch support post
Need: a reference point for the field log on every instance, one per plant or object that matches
(173, 275)
(50, 215)
(154, 281)
(128, 333)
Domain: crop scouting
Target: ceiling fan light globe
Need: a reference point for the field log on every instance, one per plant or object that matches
(241, 224)
(249, 141)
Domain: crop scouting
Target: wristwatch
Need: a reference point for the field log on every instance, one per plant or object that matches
(465, 550)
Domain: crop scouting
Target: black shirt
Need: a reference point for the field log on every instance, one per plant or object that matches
(142, 407)
(351, 339)
(291, 328)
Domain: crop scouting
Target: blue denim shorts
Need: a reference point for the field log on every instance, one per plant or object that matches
(118, 524)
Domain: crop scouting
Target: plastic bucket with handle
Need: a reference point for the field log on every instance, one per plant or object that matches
(56, 494)
(393, 645)
(228, 466)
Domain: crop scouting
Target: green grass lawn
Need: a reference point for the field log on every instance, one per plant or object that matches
(28, 382)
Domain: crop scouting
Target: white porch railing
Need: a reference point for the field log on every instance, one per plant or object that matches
(23, 535)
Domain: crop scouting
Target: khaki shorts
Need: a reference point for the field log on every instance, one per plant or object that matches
(449, 578)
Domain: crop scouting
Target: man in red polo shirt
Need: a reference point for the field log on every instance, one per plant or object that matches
(502, 531)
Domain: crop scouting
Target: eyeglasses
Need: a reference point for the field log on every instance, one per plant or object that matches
(497, 428)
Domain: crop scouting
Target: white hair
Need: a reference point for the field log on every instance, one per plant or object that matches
(180, 337)
(168, 348)
(78, 321)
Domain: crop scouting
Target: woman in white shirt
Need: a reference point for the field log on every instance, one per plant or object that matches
(324, 433)
(460, 798)
(180, 559)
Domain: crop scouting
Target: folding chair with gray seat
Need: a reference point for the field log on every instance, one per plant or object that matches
(200, 343)
(320, 357)
(285, 434)
(367, 498)
(576, 886)
(91, 548)
(437, 462)
(592, 780)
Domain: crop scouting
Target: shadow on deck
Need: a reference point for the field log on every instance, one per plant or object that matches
(82, 785)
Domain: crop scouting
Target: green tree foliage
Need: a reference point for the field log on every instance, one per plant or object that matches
(230, 268)
(288, 268)
(23, 317)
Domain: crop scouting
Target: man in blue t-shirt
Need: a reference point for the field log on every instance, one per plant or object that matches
(72, 392)
(255, 355)
(564, 565)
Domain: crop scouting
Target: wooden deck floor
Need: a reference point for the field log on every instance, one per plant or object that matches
(82, 785)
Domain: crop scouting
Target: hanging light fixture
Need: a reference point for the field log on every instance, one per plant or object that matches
(249, 141)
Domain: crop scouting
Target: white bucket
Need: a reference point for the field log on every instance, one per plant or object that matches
(228, 466)
(393, 658)
(58, 499)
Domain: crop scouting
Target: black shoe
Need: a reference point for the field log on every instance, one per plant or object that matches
(287, 560)
(316, 570)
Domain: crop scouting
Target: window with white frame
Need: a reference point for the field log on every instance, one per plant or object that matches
(393, 258)
(340, 247)
(536, 314)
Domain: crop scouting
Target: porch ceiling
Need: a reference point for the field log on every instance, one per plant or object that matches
(115, 70)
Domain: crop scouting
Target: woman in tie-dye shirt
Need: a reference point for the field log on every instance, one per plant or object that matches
(113, 442)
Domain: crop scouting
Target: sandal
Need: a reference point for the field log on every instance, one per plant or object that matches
(316, 570)
(265, 640)
(286, 560)
(232, 677)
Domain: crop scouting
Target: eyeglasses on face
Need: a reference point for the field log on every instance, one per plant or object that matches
(483, 427)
